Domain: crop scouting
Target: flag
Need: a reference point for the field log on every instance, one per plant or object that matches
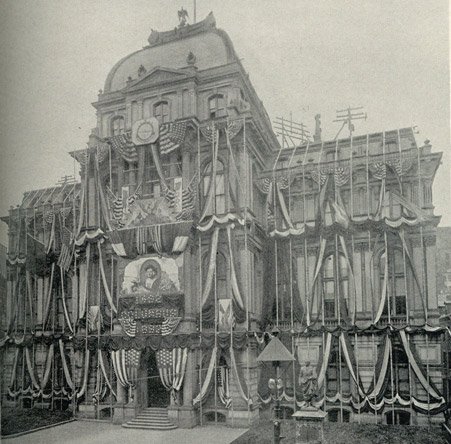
(164, 364)
(116, 243)
(123, 144)
(171, 136)
(67, 250)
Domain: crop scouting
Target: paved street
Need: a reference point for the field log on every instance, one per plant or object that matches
(79, 432)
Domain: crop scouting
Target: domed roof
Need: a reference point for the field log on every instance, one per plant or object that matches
(210, 46)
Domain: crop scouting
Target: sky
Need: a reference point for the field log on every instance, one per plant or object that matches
(304, 57)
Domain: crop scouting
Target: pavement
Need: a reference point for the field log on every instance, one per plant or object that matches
(80, 432)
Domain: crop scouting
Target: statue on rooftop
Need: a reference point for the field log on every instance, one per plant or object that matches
(183, 15)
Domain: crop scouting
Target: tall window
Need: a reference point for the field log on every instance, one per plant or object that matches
(396, 284)
(335, 284)
(217, 106)
(401, 371)
(337, 375)
(218, 203)
(151, 182)
(130, 173)
(118, 126)
(161, 112)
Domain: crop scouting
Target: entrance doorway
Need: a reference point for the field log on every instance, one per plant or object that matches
(157, 395)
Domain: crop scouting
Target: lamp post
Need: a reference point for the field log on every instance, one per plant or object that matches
(275, 352)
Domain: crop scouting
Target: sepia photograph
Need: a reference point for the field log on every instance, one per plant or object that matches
(225, 222)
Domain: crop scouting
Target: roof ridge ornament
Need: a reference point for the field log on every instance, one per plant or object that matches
(183, 30)
(183, 16)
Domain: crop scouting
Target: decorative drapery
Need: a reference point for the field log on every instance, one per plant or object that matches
(211, 186)
(63, 298)
(236, 294)
(104, 281)
(211, 266)
(118, 358)
(239, 379)
(432, 391)
(105, 372)
(39, 383)
(206, 384)
(171, 367)
(78, 392)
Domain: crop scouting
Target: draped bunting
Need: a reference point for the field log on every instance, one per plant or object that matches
(123, 144)
(206, 384)
(104, 281)
(120, 370)
(211, 186)
(239, 379)
(210, 133)
(224, 387)
(325, 361)
(63, 299)
(417, 370)
(383, 299)
(104, 372)
(171, 367)
(235, 289)
(211, 266)
(234, 127)
(171, 136)
(218, 221)
(263, 185)
(39, 383)
(84, 282)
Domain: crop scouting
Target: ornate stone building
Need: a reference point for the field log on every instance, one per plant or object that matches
(156, 281)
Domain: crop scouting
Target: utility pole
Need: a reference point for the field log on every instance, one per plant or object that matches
(347, 116)
(291, 133)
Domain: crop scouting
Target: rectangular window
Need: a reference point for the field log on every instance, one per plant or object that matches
(310, 207)
(130, 170)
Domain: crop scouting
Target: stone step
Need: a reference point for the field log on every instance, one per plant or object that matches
(149, 427)
(165, 414)
(152, 418)
(149, 421)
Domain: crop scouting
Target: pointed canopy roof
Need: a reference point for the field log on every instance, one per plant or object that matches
(275, 351)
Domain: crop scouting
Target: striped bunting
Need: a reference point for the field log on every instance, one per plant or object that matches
(67, 250)
(171, 136)
(169, 195)
(123, 144)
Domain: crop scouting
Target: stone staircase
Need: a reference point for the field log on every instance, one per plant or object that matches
(151, 419)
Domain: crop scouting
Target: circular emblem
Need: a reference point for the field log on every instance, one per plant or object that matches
(145, 131)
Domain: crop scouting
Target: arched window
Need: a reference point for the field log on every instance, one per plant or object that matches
(118, 126)
(335, 285)
(218, 203)
(161, 112)
(217, 106)
(396, 283)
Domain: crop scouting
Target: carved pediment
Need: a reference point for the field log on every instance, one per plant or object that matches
(156, 76)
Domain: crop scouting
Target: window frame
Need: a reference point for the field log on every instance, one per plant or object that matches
(117, 130)
(218, 109)
(222, 181)
(158, 111)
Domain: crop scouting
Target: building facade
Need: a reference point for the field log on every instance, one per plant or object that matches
(157, 279)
